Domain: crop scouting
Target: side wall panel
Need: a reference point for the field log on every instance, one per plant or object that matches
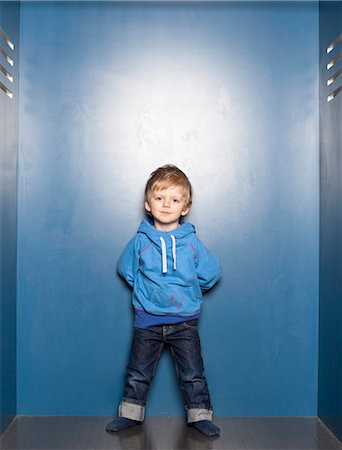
(9, 22)
(330, 330)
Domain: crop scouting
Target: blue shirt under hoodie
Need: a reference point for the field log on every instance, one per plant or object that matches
(168, 271)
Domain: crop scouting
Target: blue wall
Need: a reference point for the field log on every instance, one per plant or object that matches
(330, 330)
(9, 22)
(228, 92)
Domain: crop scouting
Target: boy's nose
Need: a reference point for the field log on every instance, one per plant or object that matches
(166, 203)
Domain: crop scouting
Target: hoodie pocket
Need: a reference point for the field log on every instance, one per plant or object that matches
(177, 300)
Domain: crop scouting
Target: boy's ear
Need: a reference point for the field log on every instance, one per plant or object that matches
(185, 211)
(147, 206)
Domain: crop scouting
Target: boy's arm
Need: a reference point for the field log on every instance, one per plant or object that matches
(128, 263)
(208, 267)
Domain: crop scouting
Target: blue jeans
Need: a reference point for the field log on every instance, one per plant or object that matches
(184, 343)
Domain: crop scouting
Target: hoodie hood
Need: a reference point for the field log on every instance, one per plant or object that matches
(182, 231)
(168, 239)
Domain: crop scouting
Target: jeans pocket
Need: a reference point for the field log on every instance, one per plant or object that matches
(191, 324)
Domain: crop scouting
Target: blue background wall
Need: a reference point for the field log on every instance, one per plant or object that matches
(9, 21)
(228, 92)
(330, 344)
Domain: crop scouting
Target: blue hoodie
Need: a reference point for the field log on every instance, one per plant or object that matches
(168, 270)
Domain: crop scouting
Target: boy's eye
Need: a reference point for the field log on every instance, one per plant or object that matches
(158, 198)
(176, 200)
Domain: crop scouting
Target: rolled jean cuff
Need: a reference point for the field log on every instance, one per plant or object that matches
(198, 414)
(132, 411)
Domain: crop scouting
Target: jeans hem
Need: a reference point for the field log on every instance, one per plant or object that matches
(132, 411)
(198, 414)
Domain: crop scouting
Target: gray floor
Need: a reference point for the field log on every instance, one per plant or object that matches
(168, 433)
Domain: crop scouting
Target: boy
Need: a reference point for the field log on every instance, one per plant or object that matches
(167, 266)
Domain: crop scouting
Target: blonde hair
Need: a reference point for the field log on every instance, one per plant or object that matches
(168, 176)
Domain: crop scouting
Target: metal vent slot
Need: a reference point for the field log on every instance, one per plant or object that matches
(7, 51)
(334, 77)
(334, 44)
(334, 94)
(334, 61)
(6, 73)
(7, 57)
(7, 39)
(6, 90)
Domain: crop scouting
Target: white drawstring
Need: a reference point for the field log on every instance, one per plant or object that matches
(164, 255)
(173, 239)
(164, 260)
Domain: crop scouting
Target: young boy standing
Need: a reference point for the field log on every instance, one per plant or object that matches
(168, 268)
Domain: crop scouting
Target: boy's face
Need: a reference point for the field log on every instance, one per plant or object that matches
(167, 206)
